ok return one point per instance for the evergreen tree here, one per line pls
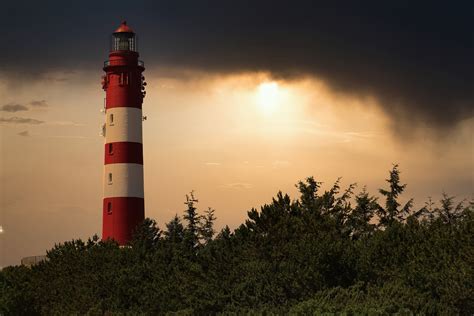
(309, 194)
(360, 219)
(191, 232)
(391, 212)
(449, 213)
(174, 231)
(206, 226)
(146, 236)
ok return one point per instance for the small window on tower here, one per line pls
(109, 208)
(110, 178)
(123, 79)
(111, 149)
(111, 119)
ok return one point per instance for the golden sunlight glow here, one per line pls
(268, 97)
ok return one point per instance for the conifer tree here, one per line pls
(146, 236)
(359, 220)
(174, 230)
(391, 212)
(206, 228)
(449, 213)
(191, 233)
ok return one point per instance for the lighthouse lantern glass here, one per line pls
(124, 41)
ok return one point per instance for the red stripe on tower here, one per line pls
(123, 152)
(120, 219)
(123, 204)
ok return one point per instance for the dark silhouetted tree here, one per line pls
(191, 232)
(206, 226)
(174, 231)
(392, 212)
(146, 236)
(360, 219)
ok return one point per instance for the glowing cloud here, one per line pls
(268, 97)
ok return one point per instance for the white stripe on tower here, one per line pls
(123, 180)
(124, 124)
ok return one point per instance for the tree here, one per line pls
(359, 220)
(191, 233)
(17, 291)
(449, 213)
(309, 193)
(174, 231)
(391, 212)
(146, 236)
(206, 227)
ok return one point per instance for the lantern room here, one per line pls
(124, 39)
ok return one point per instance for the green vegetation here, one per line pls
(326, 253)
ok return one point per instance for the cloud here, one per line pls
(213, 164)
(39, 103)
(237, 185)
(13, 107)
(19, 120)
(65, 123)
(348, 137)
(16, 107)
(280, 164)
(71, 137)
(415, 59)
(24, 133)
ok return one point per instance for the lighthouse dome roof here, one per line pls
(124, 28)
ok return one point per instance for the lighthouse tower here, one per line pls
(123, 204)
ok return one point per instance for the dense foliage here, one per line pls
(326, 252)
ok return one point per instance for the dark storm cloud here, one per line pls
(19, 120)
(13, 107)
(416, 58)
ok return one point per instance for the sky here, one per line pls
(244, 98)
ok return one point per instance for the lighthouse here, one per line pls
(123, 82)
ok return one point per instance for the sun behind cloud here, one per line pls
(268, 94)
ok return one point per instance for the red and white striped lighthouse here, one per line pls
(123, 204)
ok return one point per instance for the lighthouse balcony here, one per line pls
(108, 63)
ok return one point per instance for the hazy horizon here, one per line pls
(215, 135)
